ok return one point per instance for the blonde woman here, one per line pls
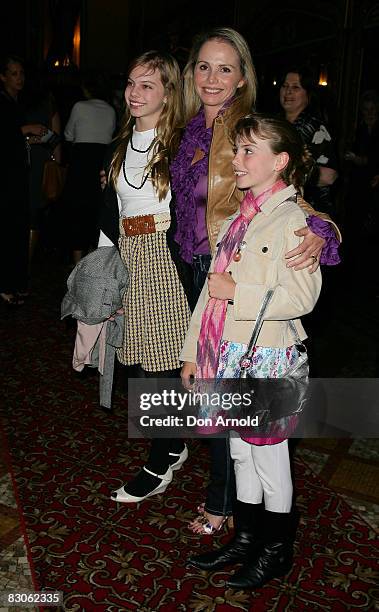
(219, 88)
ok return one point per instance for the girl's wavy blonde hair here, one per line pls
(168, 128)
(245, 96)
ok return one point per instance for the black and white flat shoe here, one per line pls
(182, 457)
(124, 497)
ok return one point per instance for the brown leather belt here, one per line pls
(145, 224)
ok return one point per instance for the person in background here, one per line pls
(367, 135)
(220, 88)
(40, 107)
(89, 129)
(362, 167)
(363, 157)
(135, 217)
(16, 138)
(374, 184)
(270, 165)
(297, 97)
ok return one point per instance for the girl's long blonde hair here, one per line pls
(168, 128)
(245, 96)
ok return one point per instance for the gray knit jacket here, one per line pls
(95, 289)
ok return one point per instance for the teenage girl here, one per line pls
(136, 216)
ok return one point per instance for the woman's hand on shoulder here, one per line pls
(307, 254)
(188, 374)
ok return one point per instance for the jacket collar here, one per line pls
(269, 206)
(278, 198)
(219, 120)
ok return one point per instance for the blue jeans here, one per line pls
(221, 490)
(200, 265)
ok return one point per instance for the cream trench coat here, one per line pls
(262, 266)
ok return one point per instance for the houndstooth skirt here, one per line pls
(157, 314)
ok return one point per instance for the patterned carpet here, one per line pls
(66, 455)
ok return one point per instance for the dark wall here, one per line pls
(21, 28)
(339, 35)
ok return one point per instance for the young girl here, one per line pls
(155, 306)
(270, 163)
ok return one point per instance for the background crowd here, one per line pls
(75, 110)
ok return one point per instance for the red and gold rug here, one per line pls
(109, 557)
(67, 455)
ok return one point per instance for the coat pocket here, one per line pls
(257, 260)
(265, 248)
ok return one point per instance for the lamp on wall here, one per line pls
(62, 62)
(323, 78)
(76, 43)
(63, 34)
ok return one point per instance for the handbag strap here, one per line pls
(258, 325)
(295, 332)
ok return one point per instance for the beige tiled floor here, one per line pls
(15, 572)
(351, 468)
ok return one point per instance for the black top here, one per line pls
(316, 137)
(13, 152)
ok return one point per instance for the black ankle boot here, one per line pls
(247, 521)
(275, 558)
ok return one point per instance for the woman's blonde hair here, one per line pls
(282, 137)
(245, 96)
(168, 128)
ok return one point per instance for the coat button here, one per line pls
(264, 249)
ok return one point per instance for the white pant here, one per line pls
(263, 471)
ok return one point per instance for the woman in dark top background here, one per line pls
(40, 107)
(361, 185)
(297, 101)
(16, 136)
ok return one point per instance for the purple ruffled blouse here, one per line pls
(185, 178)
(329, 254)
(201, 244)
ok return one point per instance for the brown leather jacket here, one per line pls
(223, 196)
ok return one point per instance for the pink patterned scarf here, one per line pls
(213, 319)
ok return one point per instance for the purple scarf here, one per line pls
(184, 178)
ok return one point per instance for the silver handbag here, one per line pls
(276, 397)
